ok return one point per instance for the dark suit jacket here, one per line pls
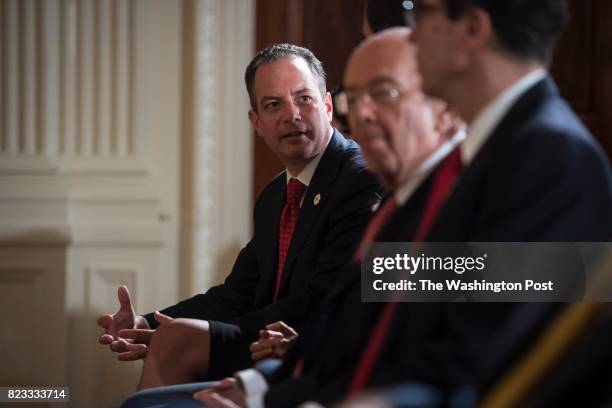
(539, 177)
(325, 236)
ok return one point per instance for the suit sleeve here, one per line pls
(346, 224)
(544, 194)
(225, 301)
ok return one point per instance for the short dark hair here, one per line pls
(527, 29)
(277, 52)
(382, 14)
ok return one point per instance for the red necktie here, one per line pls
(379, 220)
(445, 179)
(289, 215)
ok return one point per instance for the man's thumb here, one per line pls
(161, 318)
(124, 299)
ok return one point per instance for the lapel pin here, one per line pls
(375, 206)
(316, 199)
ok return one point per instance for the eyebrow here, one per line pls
(276, 98)
(270, 98)
(382, 80)
(300, 91)
(376, 81)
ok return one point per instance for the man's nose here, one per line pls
(363, 109)
(292, 112)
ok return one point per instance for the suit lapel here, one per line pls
(458, 213)
(269, 228)
(400, 227)
(321, 186)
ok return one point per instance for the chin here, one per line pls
(297, 155)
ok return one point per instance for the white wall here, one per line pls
(124, 159)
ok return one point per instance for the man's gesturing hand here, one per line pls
(274, 341)
(125, 318)
(133, 343)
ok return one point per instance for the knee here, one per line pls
(178, 335)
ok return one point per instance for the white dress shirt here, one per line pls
(305, 176)
(405, 191)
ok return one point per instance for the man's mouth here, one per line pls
(295, 133)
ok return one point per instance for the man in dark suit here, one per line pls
(307, 223)
(528, 171)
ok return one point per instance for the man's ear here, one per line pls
(254, 118)
(478, 28)
(329, 105)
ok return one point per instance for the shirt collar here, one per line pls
(403, 192)
(490, 116)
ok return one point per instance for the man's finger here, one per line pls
(105, 321)
(202, 395)
(275, 326)
(260, 355)
(256, 346)
(282, 327)
(261, 344)
(105, 339)
(132, 355)
(134, 347)
(121, 345)
(267, 334)
(224, 384)
(213, 400)
(124, 299)
(139, 335)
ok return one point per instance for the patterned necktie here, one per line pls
(289, 215)
(445, 179)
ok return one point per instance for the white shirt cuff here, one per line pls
(255, 401)
(255, 386)
(310, 404)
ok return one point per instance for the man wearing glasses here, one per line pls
(404, 135)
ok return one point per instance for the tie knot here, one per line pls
(295, 190)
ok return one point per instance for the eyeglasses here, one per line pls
(416, 9)
(379, 94)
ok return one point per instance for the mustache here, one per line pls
(296, 131)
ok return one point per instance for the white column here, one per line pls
(3, 99)
(30, 114)
(68, 66)
(51, 79)
(87, 86)
(12, 75)
(205, 128)
(121, 77)
(104, 79)
(224, 33)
